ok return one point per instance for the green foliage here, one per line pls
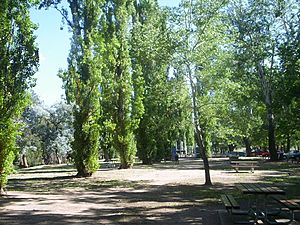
(165, 101)
(46, 133)
(81, 81)
(122, 86)
(19, 60)
(263, 31)
(8, 132)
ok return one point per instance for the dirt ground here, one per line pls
(160, 194)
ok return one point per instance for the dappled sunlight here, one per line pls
(158, 194)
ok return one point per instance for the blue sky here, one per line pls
(54, 45)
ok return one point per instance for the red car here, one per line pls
(265, 154)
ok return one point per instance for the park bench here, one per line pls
(237, 164)
(230, 203)
(234, 210)
(291, 205)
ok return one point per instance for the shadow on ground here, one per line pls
(139, 204)
(40, 197)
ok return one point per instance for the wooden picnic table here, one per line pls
(261, 193)
(259, 189)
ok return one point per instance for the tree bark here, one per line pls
(231, 147)
(248, 146)
(23, 163)
(288, 143)
(199, 133)
(2, 191)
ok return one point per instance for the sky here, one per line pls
(54, 46)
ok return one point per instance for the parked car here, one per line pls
(295, 155)
(256, 152)
(235, 154)
(260, 152)
(265, 154)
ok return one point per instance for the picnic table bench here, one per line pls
(234, 210)
(291, 205)
(237, 164)
(229, 202)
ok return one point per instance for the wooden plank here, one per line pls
(244, 162)
(260, 189)
(250, 189)
(266, 188)
(240, 187)
(233, 202)
(244, 166)
(271, 189)
(226, 201)
(245, 188)
(289, 204)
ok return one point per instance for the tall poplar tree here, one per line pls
(125, 81)
(152, 48)
(81, 80)
(19, 61)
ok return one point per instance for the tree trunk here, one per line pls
(271, 136)
(23, 163)
(199, 133)
(266, 89)
(83, 173)
(184, 144)
(288, 143)
(231, 147)
(57, 157)
(2, 191)
(202, 147)
(248, 146)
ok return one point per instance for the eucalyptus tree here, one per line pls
(81, 80)
(58, 132)
(28, 142)
(199, 28)
(258, 28)
(19, 62)
(46, 133)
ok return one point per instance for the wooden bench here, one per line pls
(230, 203)
(234, 210)
(237, 164)
(291, 205)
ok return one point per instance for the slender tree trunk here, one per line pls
(24, 161)
(2, 191)
(202, 147)
(199, 133)
(288, 143)
(57, 157)
(271, 136)
(231, 147)
(248, 146)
